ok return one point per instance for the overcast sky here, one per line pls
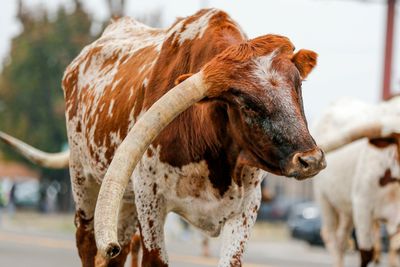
(347, 35)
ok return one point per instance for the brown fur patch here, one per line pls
(85, 240)
(366, 256)
(383, 142)
(394, 139)
(70, 85)
(387, 178)
(135, 247)
(152, 258)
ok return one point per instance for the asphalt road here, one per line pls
(34, 249)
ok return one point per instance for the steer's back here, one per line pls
(104, 89)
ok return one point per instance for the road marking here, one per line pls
(70, 245)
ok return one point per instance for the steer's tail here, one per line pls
(41, 158)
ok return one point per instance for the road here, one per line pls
(32, 248)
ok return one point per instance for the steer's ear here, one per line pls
(182, 78)
(305, 61)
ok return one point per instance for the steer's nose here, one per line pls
(307, 164)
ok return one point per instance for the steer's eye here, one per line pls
(248, 110)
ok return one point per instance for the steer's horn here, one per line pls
(48, 160)
(145, 130)
(375, 129)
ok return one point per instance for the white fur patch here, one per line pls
(110, 108)
(264, 71)
(195, 29)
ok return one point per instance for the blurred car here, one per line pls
(277, 209)
(304, 222)
(27, 194)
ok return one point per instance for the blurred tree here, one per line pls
(32, 102)
(31, 99)
(152, 18)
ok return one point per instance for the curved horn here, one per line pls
(145, 130)
(41, 158)
(375, 129)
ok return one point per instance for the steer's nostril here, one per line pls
(303, 162)
(306, 164)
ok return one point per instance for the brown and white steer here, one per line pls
(201, 109)
(361, 185)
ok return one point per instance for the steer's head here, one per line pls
(261, 82)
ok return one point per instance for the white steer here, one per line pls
(361, 184)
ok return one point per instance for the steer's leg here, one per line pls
(342, 235)
(363, 223)
(151, 215)
(237, 231)
(135, 250)
(85, 191)
(393, 253)
(329, 228)
(394, 247)
(377, 242)
(127, 221)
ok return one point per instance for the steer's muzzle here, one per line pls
(306, 164)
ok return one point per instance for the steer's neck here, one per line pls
(198, 133)
(201, 134)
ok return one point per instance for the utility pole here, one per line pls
(387, 72)
(116, 8)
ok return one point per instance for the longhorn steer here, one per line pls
(361, 184)
(236, 108)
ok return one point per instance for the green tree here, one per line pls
(30, 83)
(31, 98)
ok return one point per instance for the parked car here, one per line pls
(27, 194)
(277, 209)
(304, 222)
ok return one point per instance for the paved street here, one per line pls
(21, 249)
(22, 246)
